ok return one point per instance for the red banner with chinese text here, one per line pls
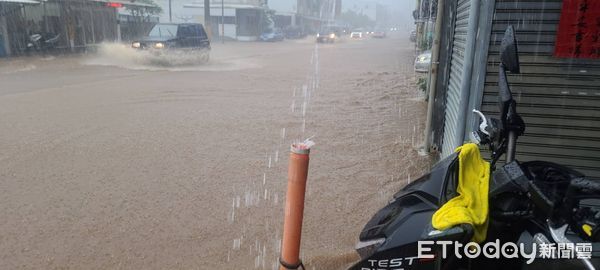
(579, 30)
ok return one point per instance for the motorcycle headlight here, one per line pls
(159, 45)
(367, 248)
(318, 35)
(332, 36)
(136, 45)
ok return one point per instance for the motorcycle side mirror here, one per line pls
(509, 60)
(509, 54)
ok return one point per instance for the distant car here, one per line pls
(165, 37)
(413, 35)
(327, 36)
(293, 32)
(356, 34)
(272, 35)
(423, 62)
(379, 34)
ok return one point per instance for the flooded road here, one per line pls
(106, 163)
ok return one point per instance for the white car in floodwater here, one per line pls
(356, 34)
(423, 61)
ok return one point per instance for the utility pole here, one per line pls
(170, 15)
(207, 17)
(223, 21)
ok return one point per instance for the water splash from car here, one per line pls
(122, 55)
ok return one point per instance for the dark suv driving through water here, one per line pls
(327, 35)
(185, 36)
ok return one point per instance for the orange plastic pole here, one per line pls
(294, 207)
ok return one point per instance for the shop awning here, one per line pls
(33, 2)
(124, 3)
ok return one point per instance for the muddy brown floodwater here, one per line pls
(108, 163)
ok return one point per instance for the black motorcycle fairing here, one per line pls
(388, 219)
(439, 184)
(425, 194)
(549, 171)
(508, 197)
(548, 188)
(509, 178)
(512, 182)
(398, 257)
(410, 211)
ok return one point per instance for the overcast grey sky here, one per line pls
(289, 5)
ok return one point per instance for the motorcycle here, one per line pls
(42, 42)
(531, 204)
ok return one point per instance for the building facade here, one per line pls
(242, 20)
(79, 23)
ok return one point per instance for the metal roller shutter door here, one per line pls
(559, 99)
(455, 81)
